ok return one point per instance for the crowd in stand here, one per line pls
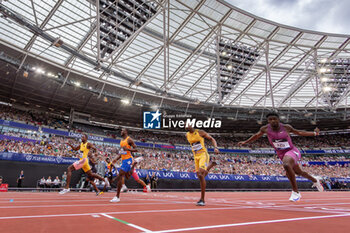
(225, 141)
(181, 160)
(171, 160)
(32, 117)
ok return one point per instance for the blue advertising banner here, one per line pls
(18, 125)
(5, 137)
(36, 158)
(223, 177)
(331, 163)
(72, 134)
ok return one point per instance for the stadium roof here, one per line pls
(183, 64)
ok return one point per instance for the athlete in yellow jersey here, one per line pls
(83, 163)
(127, 146)
(201, 157)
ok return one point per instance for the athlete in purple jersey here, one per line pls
(278, 135)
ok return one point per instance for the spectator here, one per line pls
(48, 183)
(42, 182)
(56, 183)
(20, 179)
(147, 180)
(0, 180)
(64, 179)
(101, 166)
(154, 180)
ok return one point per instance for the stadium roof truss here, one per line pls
(173, 51)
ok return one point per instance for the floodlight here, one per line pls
(327, 88)
(125, 101)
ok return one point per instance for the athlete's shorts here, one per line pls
(83, 163)
(126, 165)
(294, 153)
(201, 160)
(134, 174)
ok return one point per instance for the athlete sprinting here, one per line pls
(83, 163)
(111, 171)
(128, 147)
(279, 138)
(92, 163)
(201, 157)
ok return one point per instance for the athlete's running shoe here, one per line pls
(115, 199)
(99, 193)
(295, 196)
(124, 188)
(147, 189)
(318, 185)
(200, 203)
(64, 191)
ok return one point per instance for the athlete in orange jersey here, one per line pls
(127, 146)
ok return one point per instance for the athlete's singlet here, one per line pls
(281, 141)
(125, 154)
(196, 141)
(84, 151)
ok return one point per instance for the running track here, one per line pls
(174, 212)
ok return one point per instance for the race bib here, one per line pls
(281, 145)
(197, 146)
(81, 154)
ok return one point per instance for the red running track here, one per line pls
(174, 212)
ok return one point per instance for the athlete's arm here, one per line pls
(92, 158)
(204, 134)
(290, 129)
(91, 146)
(73, 147)
(256, 136)
(132, 144)
(116, 159)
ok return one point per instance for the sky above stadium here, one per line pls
(318, 15)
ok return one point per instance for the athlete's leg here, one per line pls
(141, 182)
(302, 173)
(211, 165)
(203, 172)
(92, 176)
(69, 175)
(288, 164)
(130, 172)
(317, 184)
(201, 176)
(120, 179)
(137, 178)
(75, 166)
(93, 184)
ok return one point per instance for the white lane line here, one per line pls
(252, 223)
(97, 199)
(126, 223)
(81, 205)
(126, 212)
